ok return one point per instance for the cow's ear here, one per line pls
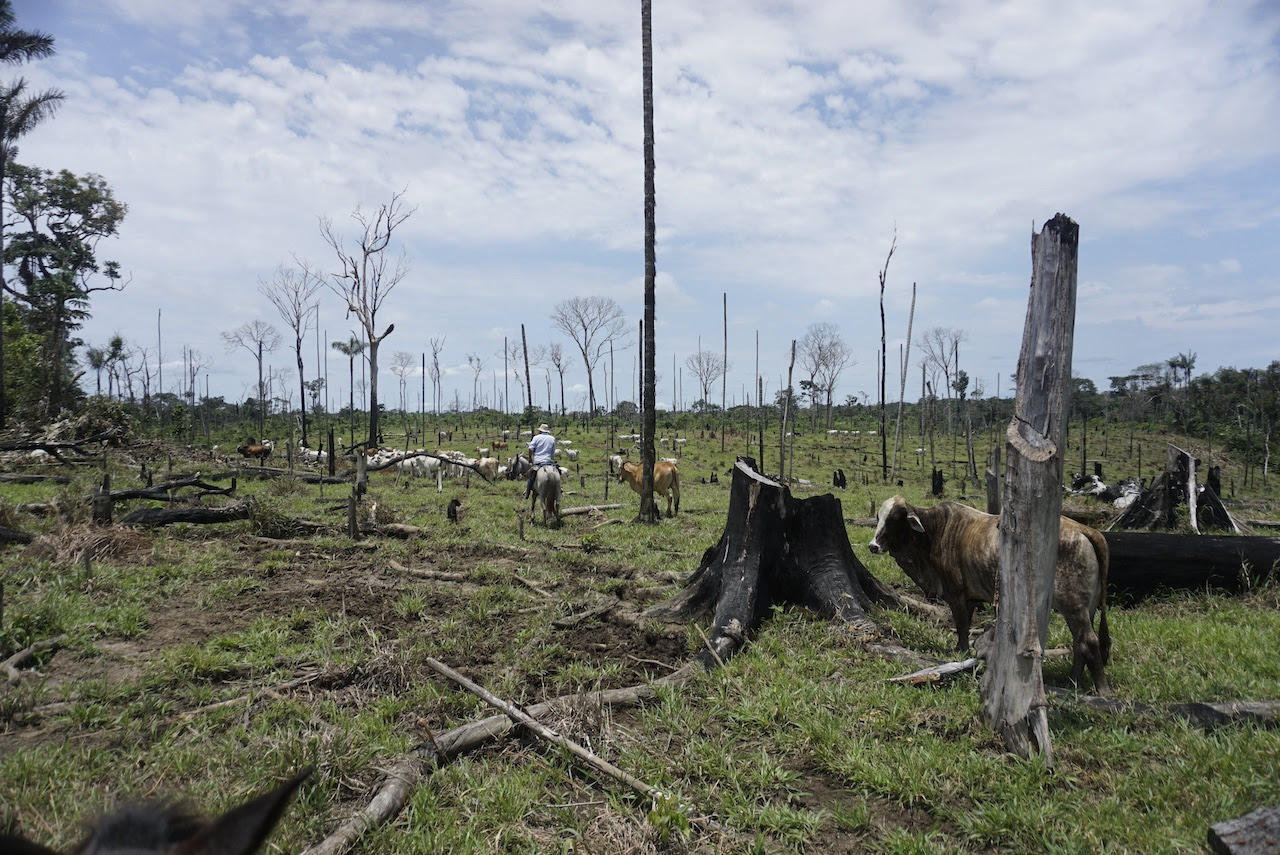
(914, 521)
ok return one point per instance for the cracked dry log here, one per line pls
(775, 550)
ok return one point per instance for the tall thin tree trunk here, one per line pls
(4, 170)
(884, 364)
(724, 369)
(528, 381)
(648, 509)
(902, 388)
(786, 414)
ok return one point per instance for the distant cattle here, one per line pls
(259, 451)
(488, 466)
(666, 481)
(952, 552)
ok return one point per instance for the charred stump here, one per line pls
(1155, 507)
(775, 550)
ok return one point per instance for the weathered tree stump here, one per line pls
(101, 502)
(1012, 686)
(775, 550)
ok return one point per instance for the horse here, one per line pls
(518, 467)
(164, 829)
(546, 488)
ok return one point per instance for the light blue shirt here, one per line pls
(543, 448)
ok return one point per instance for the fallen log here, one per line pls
(594, 762)
(1200, 713)
(569, 512)
(13, 535)
(1143, 563)
(10, 666)
(167, 491)
(198, 516)
(21, 478)
(937, 673)
(403, 776)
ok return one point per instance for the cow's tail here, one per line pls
(675, 486)
(1103, 553)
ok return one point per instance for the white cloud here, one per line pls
(790, 144)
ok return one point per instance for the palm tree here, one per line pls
(97, 359)
(351, 349)
(19, 113)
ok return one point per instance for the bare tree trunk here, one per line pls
(1013, 695)
(786, 413)
(528, 381)
(884, 363)
(648, 507)
(902, 389)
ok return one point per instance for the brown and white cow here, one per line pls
(953, 552)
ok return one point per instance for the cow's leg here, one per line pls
(1086, 650)
(962, 615)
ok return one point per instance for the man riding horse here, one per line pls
(542, 450)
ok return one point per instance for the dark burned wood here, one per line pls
(197, 515)
(1143, 563)
(1156, 507)
(13, 535)
(775, 550)
(21, 478)
(168, 490)
(1256, 833)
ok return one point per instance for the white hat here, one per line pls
(542, 428)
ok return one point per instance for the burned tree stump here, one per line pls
(1155, 508)
(775, 550)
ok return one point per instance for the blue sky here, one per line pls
(793, 141)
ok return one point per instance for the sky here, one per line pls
(795, 143)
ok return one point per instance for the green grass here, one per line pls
(799, 744)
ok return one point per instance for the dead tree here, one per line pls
(1013, 696)
(775, 550)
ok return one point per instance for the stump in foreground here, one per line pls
(775, 550)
